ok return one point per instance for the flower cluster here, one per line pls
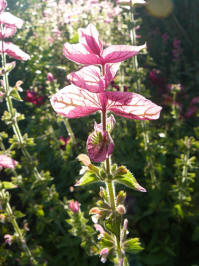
(88, 92)
(9, 24)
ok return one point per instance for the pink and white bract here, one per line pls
(14, 51)
(90, 78)
(89, 50)
(10, 20)
(3, 5)
(7, 32)
(74, 102)
(7, 162)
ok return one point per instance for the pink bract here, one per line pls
(7, 162)
(3, 5)
(74, 102)
(10, 20)
(89, 50)
(99, 145)
(7, 32)
(90, 78)
(14, 51)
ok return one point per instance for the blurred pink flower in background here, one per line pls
(50, 77)
(192, 110)
(64, 141)
(8, 239)
(34, 98)
(165, 37)
(7, 162)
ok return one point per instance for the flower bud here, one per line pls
(121, 209)
(8, 239)
(121, 197)
(50, 77)
(95, 210)
(74, 206)
(84, 159)
(121, 170)
(125, 224)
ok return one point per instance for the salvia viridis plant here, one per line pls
(89, 93)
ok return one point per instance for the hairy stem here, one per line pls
(11, 110)
(69, 130)
(16, 227)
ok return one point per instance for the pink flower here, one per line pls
(104, 253)
(99, 145)
(89, 50)
(195, 100)
(74, 102)
(14, 51)
(8, 239)
(3, 5)
(7, 162)
(90, 78)
(50, 77)
(74, 206)
(10, 20)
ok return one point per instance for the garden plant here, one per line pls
(99, 133)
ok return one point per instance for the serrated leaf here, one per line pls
(129, 180)
(133, 245)
(8, 185)
(88, 178)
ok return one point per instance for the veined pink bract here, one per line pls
(74, 102)
(90, 77)
(89, 50)
(14, 51)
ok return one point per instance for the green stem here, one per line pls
(116, 221)
(16, 228)
(13, 116)
(138, 89)
(69, 130)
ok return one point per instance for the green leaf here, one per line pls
(8, 185)
(179, 210)
(15, 95)
(88, 178)
(129, 180)
(133, 245)
(19, 214)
